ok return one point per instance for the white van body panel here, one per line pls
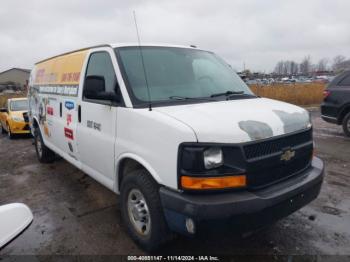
(95, 148)
(239, 121)
(146, 135)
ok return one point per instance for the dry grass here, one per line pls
(4, 97)
(299, 94)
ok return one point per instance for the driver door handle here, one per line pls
(79, 113)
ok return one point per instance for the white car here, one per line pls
(176, 133)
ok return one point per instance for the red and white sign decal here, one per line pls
(68, 133)
(69, 119)
(49, 110)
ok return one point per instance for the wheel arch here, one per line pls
(344, 111)
(128, 162)
(34, 124)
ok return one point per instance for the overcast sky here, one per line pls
(257, 32)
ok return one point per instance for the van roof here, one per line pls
(115, 45)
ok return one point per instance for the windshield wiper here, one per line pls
(189, 98)
(228, 93)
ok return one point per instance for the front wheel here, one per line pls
(346, 124)
(9, 133)
(44, 154)
(3, 131)
(142, 211)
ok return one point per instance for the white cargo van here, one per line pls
(176, 133)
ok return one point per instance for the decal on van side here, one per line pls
(47, 130)
(94, 125)
(70, 146)
(60, 75)
(69, 105)
(68, 133)
(49, 110)
(69, 119)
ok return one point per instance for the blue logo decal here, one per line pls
(69, 105)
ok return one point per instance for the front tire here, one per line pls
(346, 124)
(44, 154)
(142, 212)
(3, 131)
(9, 133)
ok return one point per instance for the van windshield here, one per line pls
(175, 74)
(19, 105)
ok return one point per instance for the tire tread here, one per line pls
(345, 127)
(48, 156)
(160, 233)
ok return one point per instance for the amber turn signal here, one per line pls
(199, 183)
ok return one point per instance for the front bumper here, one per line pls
(19, 127)
(329, 113)
(267, 205)
(330, 119)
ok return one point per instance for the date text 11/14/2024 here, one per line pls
(173, 258)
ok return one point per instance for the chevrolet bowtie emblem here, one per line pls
(287, 155)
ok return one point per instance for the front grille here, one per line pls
(264, 165)
(25, 117)
(269, 147)
(266, 176)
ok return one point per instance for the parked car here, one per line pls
(15, 218)
(14, 117)
(336, 104)
(177, 134)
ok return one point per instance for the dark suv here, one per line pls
(336, 105)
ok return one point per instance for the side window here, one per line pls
(345, 81)
(100, 65)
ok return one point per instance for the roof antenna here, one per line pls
(143, 64)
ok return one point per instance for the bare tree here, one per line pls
(279, 68)
(337, 62)
(305, 65)
(293, 68)
(287, 67)
(322, 64)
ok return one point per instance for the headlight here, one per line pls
(213, 157)
(17, 119)
(202, 166)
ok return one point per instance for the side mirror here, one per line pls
(93, 85)
(14, 218)
(95, 88)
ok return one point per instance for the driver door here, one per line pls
(96, 127)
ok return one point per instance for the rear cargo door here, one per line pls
(96, 127)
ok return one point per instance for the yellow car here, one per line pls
(14, 117)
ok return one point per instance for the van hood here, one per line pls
(238, 121)
(18, 113)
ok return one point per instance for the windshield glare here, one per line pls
(177, 72)
(19, 105)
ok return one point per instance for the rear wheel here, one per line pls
(44, 154)
(142, 211)
(346, 124)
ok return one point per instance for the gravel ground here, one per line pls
(73, 214)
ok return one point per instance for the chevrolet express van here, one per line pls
(176, 133)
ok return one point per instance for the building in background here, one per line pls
(15, 79)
